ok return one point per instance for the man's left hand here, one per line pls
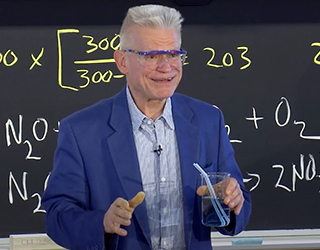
(234, 197)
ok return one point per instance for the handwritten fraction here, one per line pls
(93, 45)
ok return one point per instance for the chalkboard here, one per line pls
(258, 61)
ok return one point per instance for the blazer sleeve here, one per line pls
(69, 221)
(228, 163)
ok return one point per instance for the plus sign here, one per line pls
(255, 119)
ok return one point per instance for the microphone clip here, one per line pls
(158, 150)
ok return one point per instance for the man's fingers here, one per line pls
(234, 198)
(202, 190)
(120, 221)
(123, 217)
(120, 214)
(120, 231)
(137, 200)
(232, 185)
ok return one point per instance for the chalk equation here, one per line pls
(9, 58)
(307, 173)
(283, 104)
(302, 169)
(92, 46)
(299, 172)
(14, 134)
(227, 59)
(18, 135)
(23, 191)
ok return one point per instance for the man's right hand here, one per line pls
(120, 214)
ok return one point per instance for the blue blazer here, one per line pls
(96, 162)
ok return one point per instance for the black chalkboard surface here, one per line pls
(258, 61)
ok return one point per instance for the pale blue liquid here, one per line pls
(209, 215)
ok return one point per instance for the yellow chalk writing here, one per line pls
(244, 57)
(93, 45)
(97, 61)
(36, 60)
(315, 59)
(4, 58)
(212, 57)
(227, 59)
(103, 44)
(97, 77)
(59, 32)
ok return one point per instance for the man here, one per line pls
(123, 176)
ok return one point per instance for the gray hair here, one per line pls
(151, 15)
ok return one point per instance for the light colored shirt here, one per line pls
(161, 176)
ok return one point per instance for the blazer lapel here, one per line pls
(124, 155)
(188, 137)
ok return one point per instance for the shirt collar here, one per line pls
(137, 116)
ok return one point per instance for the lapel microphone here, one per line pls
(158, 150)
